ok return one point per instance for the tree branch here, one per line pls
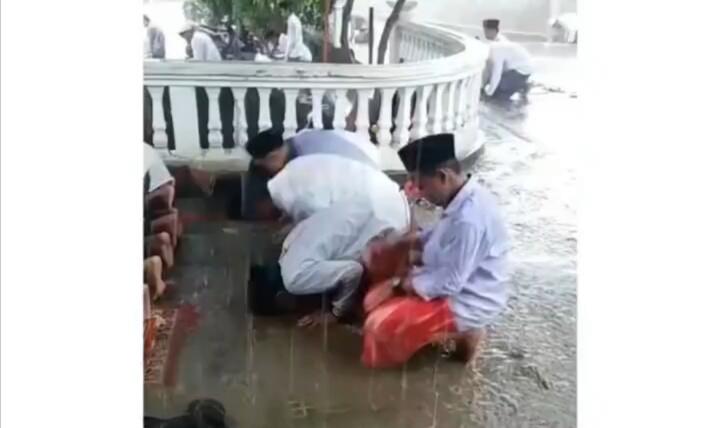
(389, 24)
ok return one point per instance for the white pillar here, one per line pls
(215, 137)
(401, 135)
(317, 108)
(420, 123)
(159, 139)
(385, 120)
(264, 109)
(240, 125)
(289, 121)
(339, 114)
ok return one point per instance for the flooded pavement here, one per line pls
(268, 373)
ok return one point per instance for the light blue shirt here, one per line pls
(339, 142)
(465, 258)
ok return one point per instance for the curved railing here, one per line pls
(205, 112)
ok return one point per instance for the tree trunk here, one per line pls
(389, 24)
(347, 10)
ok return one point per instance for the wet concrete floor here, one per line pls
(268, 373)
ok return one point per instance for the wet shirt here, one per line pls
(342, 143)
(465, 258)
(338, 142)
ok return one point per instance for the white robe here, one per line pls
(340, 204)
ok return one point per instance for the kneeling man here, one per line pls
(338, 205)
(458, 285)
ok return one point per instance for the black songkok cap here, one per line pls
(493, 24)
(264, 143)
(427, 153)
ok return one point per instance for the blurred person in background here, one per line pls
(155, 45)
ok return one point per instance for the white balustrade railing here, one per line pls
(206, 112)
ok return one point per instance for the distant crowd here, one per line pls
(225, 42)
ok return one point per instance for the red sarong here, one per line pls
(400, 326)
(396, 326)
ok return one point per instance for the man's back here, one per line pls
(512, 56)
(203, 47)
(339, 142)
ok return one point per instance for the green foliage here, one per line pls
(256, 15)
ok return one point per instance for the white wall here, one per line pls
(524, 16)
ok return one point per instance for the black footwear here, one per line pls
(203, 413)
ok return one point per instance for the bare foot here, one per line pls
(153, 276)
(316, 318)
(162, 198)
(204, 180)
(463, 347)
(161, 245)
(168, 223)
(468, 345)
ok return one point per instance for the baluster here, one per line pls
(467, 111)
(471, 100)
(402, 121)
(240, 124)
(289, 121)
(214, 124)
(317, 113)
(460, 104)
(160, 139)
(450, 112)
(420, 123)
(476, 95)
(436, 109)
(410, 48)
(385, 119)
(264, 109)
(363, 118)
(339, 114)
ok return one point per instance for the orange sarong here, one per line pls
(397, 326)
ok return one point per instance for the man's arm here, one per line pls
(496, 72)
(430, 282)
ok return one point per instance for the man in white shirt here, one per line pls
(509, 65)
(154, 39)
(338, 204)
(202, 47)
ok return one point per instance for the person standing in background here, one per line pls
(155, 45)
(202, 46)
(296, 50)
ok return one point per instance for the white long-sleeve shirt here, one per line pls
(506, 55)
(203, 48)
(341, 204)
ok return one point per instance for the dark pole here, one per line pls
(370, 36)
